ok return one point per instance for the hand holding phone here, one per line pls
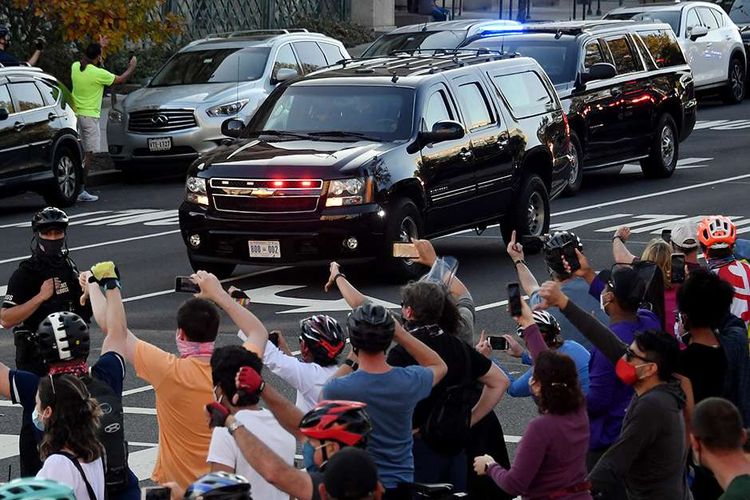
(156, 493)
(405, 251)
(498, 343)
(514, 300)
(678, 268)
(184, 284)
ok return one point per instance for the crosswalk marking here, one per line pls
(722, 124)
(683, 164)
(145, 216)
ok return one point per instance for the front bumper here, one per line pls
(314, 238)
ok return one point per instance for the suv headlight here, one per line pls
(195, 191)
(115, 116)
(228, 109)
(345, 192)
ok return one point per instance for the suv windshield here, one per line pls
(558, 57)
(671, 17)
(212, 66)
(381, 113)
(425, 40)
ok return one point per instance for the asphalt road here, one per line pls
(136, 226)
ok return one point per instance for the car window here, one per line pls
(708, 19)
(525, 93)
(310, 56)
(285, 59)
(5, 101)
(474, 105)
(692, 20)
(720, 17)
(26, 96)
(622, 54)
(663, 47)
(332, 52)
(435, 110)
(49, 92)
(424, 40)
(650, 64)
(593, 55)
(671, 17)
(212, 66)
(740, 12)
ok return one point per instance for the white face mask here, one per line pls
(601, 303)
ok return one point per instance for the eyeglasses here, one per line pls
(630, 354)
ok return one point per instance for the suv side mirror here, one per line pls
(283, 75)
(4, 114)
(232, 128)
(696, 32)
(446, 130)
(598, 71)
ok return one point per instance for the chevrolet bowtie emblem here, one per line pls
(262, 193)
(257, 192)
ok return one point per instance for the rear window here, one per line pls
(212, 66)
(663, 47)
(424, 40)
(671, 17)
(525, 93)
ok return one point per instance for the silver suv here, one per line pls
(177, 116)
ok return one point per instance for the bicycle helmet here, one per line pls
(30, 488)
(371, 328)
(555, 246)
(63, 336)
(323, 336)
(5, 31)
(547, 324)
(49, 218)
(717, 231)
(219, 485)
(345, 422)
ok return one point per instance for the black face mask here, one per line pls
(52, 248)
(53, 252)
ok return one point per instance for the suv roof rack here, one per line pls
(234, 34)
(21, 68)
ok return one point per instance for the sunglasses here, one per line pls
(630, 354)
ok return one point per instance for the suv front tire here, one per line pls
(67, 171)
(665, 149)
(404, 224)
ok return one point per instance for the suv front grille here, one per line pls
(161, 120)
(266, 196)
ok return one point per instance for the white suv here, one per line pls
(177, 116)
(710, 40)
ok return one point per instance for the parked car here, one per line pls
(739, 13)
(177, 116)
(430, 36)
(626, 89)
(345, 162)
(709, 39)
(39, 146)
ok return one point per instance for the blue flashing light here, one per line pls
(500, 27)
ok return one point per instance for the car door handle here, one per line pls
(503, 143)
(52, 116)
(18, 126)
(615, 92)
(465, 154)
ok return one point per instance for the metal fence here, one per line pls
(212, 16)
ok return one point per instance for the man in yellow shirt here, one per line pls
(89, 81)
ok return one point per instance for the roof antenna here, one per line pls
(394, 77)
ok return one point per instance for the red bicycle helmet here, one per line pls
(717, 231)
(323, 336)
(343, 421)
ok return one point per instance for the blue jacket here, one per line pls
(734, 340)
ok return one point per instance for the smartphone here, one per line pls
(666, 235)
(569, 252)
(183, 284)
(156, 493)
(273, 337)
(678, 268)
(514, 299)
(498, 343)
(405, 250)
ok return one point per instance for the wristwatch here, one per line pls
(519, 261)
(351, 364)
(339, 275)
(236, 424)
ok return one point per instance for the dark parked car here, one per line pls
(39, 146)
(346, 161)
(626, 88)
(739, 13)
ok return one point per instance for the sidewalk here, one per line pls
(561, 12)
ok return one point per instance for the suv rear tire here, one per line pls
(734, 93)
(530, 214)
(220, 270)
(404, 224)
(66, 170)
(665, 149)
(576, 169)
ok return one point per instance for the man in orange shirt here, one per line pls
(183, 384)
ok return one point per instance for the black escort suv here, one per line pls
(626, 88)
(346, 161)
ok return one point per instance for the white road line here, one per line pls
(142, 462)
(8, 446)
(137, 390)
(143, 445)
(75, 216)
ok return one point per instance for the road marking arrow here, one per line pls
(270, 295)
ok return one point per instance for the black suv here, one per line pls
(625, 87)
(345, 161)
(39, 146)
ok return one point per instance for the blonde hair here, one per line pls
(659, 252)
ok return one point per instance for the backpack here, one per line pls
(111, 435)
(447, 427)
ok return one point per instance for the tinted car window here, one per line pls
(26, 96)
(663, 47)
(332, 52)
(285, 59)
(212, 66)
(382, 112)
(425, 40)
(708, 19)
(622, 55)
(49, 92)
(436, 110)
(474, 105)
(739, 12)
(525, 93)
(310, 56)
(647, 59)
(593, 55)
(671, 17)
(5, 101)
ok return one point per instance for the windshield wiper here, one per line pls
(280, 133)
(340, 133)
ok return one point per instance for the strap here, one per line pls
(89, 489)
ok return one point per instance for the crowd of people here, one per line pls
(639, 374)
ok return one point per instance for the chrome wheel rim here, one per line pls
(574, 166)
(667, 146)
(535, 214)
(65, 172)
(738, 82)
(408, 232)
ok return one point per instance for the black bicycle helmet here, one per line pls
(345, 422)
(323, 336)
(371, 328)
(63, 336)
(49, 218)
(219, 485)
(555, 246)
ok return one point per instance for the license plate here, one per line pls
(160, 144)
(265, 249)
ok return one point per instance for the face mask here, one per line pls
(53, 248)
(308, 460)
(626, 372)
(37, 420)
(602, 305)
(188, 349)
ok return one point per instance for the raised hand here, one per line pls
(483, 346)
(427, 254)
(622, 232)
(334, 270)
(247, 381)
(514, 249)
(209, 284)
(514, 348)
(552, 296)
